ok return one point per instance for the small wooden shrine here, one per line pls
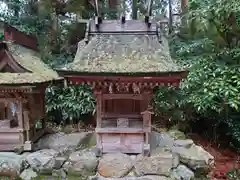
(23, 80)
(123, 60)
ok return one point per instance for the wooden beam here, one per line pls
(120, 130)
(10, 130)
(8, 89)
(123, 96)
(3, 63)
(112, 115)
(124, 78)
(6, 100)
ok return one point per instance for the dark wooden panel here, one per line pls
(122, 106)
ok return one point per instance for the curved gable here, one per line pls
(9, 64)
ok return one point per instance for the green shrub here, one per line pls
(71, 102)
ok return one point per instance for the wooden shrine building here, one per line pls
(23, 80)
(123, 60)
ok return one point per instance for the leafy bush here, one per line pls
(208, 46)
(169, 104)
(1, 36)
(234, 174)
(71, 102)
(166, 101)
(233, 130)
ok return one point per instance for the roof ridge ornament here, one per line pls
(122, 12)
(98, 19)
(148, 15)
(123, 18)
(86, 37)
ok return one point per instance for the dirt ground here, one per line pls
(225, 159)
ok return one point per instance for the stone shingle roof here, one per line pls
(123, 51)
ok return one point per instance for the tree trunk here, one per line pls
(184, 4)
(170, 16)
(134, 9)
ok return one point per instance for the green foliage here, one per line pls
(208, 46)
(234, 174)
(1, 36)
(213, 86)
(167, 100)
(233, 127)
(169, 104)
(23, 15)
(73, 101)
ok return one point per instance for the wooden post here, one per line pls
(26, 124)
(5, 110)
(147, 99)
(147, 129)
(99, 108)
(99, 117)
(147, 120)
(20, 114)
(43, 108)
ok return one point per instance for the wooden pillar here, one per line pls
(98, 95)
(146, 115)
(5, 109)
(147, 129)
(26, 120)
(99, 108)
(20, 114)
(147, 95)
(26, 124)
(43, 108)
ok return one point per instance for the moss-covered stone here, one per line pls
(87, 142)
(9, 178)
(176, 134)
(69, 177)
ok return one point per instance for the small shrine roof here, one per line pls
(131, 47)
(32, 69)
